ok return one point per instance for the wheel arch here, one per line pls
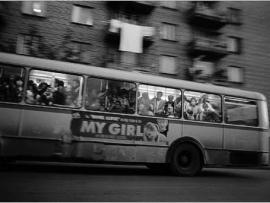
(183, 140)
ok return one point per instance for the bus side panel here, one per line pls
(237, 138)
(9, 121)
(210, 136)
(41, 133)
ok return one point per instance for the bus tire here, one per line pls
(186, 160)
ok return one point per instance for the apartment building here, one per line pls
(224, 43)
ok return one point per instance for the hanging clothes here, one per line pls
(131, 39)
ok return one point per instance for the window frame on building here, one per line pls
(163, 69)
(28, 8)
(77, 19)
(237, 44)
(23, 48)
(241, 70)
(81, 49)
(234, 15)
(169, 4)
(168, 31)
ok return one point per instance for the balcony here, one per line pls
(136, 7)
(208, 47)
(113, 33)
(206, 17)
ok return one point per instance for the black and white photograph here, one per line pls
(134, 101)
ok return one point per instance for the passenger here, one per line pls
(75, 93)
(144, 110)
(206, 111)
(158, 104)
(116, 107)
(145, 102)
(59, 96)
(169, 107)
(178, 106)
(124, 100)
(19, 88)
(94, 100)
(31, 93)
(191, 109)
(41, 97)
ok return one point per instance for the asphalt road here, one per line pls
(69, 182)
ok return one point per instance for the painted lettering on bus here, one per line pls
(93, 127)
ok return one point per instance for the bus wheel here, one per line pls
(186, 160)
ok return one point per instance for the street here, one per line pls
(83, 182)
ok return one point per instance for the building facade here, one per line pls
(224, 43)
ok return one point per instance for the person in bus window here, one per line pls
(158, 104)
(144, 104)
(116, 107)
(169, 107)
(178, 106)
(75, 91)
(206, 111)
(59, 96)
(31, 92)
(41, 97)
(190, 109)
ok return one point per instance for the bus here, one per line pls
(54, 110)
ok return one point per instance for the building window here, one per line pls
(28, 44)
(234, 16)
(235, 74)
(167, 64)
(168, 4)
(202, 69)
(129, 58)
(82, 15)
(168, 31)
(37, 8)
(234, 45)
(80, 51)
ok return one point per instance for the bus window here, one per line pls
(11, 83)
(202, 107)
(50, 88)
(159, 101)
(110, 95)
(240, 111)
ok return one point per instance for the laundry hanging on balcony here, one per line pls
(131, 38)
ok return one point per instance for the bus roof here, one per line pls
(68, 67)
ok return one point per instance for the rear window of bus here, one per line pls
(241, 111)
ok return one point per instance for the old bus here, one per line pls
(74, 112)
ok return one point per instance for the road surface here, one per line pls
(70, 182)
